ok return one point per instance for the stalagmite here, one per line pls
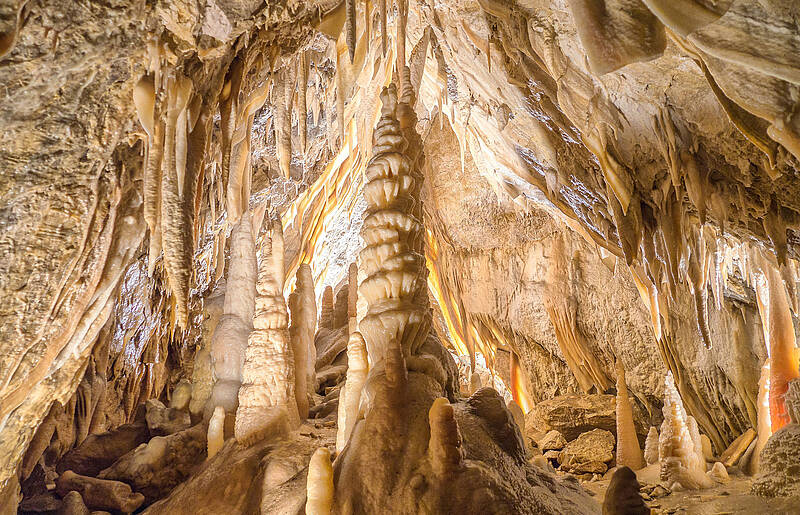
(651, 446)
(680, 460)
(781, 340)
(326, 309)
(267, 402)
(303, 308)
(622, 496)
(764, 429)
(628, 452)
(350, 395)
(392, 259)
(233, 330)
(444, 448)
(319, 489)
(216, 431)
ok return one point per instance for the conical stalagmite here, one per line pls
(319, 489)
(629, 453)
(350, 394)
(267, 402)
(326, 309)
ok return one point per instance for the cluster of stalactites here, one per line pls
(267, 402)
(393, 259)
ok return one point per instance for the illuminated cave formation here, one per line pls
(356, 256)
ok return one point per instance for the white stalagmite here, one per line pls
(233, 330)
(303, 307)
(629, 453)
(216, 436)
(267, 403)
(350, 395)
(651, 446)
(680, 461)
(319, 486)
(393, 258)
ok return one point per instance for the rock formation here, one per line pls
(651, 446)
(233, 329)
(558, 187)
(267, 401)
(622, 496)
(629, 454)
(679, 448)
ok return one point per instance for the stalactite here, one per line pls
(402, 22)
(350, 394)
(267, 401)
(319, 489)
(283, 120)
(350, 27)
(152, 194)
(175, 222)
(233, 330)
(384, 28)
(302, 115)
(303, 307)
(628, 452)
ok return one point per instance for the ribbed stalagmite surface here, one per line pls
(267, 402)
(393, 259)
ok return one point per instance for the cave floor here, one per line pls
(733, 498)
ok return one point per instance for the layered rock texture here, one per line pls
(496, 215)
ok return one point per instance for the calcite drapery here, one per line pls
(267, 402)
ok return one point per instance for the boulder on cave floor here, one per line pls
(163, 421)
(155, 468)
(589, 453)
(572, 415)
(97, 493)
(552, 441)
(780, 464)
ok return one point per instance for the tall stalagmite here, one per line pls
(267, 403)
(233, 330)
(629, 453)
(303, 307)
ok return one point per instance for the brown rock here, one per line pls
(572, 415)
(622, 496)
(735, 450)
(589, 453)
(780, 464)
(553, 440)
(162, 421)
(100, 493)
(163, 463)
(101, 451)
(72, 504)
